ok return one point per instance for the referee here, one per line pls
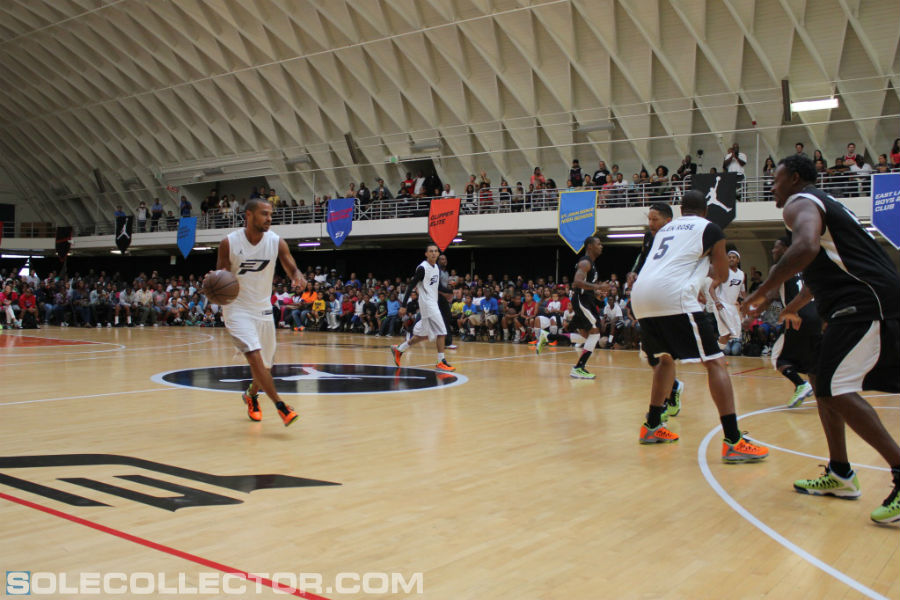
(444, 301)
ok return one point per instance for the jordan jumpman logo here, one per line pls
(712, 197)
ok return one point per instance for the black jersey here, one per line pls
(646, 244)
(852, 278)
(808, 314)
(581, 294)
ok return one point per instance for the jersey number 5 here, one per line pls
(663, 247)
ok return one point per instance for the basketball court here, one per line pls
(504, 480)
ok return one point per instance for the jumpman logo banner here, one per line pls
(720, 190)
(123, 232)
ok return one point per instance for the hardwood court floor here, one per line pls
(519, 483)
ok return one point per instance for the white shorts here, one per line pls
(729, 321)
(253, 332)
(430, 326)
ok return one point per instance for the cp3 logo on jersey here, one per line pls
(433, 280)
(252, 266)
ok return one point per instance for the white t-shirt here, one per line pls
(254, 267)
(735, 165)
(676, 267)
(613, 313)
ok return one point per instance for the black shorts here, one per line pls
(860, 355)
(587, 315)
(798, 348)
(689, 337)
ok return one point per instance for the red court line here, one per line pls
(748, 371)
(30, 341)
(168, 550)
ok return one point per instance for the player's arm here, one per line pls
(289, 265)
(418, 276)
(718, 269)
(790, 314)
(580, 281)
(804, 220)
(223, 262)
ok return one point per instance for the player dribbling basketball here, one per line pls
(250, 254)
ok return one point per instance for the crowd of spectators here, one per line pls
(847, 176)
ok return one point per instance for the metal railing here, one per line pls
(492, 201)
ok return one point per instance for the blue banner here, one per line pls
(340, 219)
(187, 234)
(577, 217)
(885, 209)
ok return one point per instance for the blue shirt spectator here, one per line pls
(393, 307)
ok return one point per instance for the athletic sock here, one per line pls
(730, 428)
(403, 347)
(440, 356)
(791, 374)
(654, 417)
(841, 469)
(582, 360)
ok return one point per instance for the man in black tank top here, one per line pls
(857, 292)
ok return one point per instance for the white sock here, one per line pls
(553, 329)
(440, 356)
(403, 347)
(117, 320)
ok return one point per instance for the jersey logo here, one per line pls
(433, 280)
(253, 265)
(734, 282)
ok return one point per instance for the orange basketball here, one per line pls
(221, 287)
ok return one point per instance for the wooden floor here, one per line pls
(518, 483)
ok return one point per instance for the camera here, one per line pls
(699, 152)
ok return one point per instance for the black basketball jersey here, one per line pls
(808, 314)
(646, 244)
(852, 277)
(583, 295)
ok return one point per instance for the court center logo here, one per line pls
(314, 379)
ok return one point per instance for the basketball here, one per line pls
(221, 287)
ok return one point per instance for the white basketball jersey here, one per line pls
(674, 271)
(730, 289)
(428, 290)
(254, 267)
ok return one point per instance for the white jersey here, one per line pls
(428, 289)
(731, 288)
(675, 270)
(254, 267)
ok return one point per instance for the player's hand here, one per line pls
(299, 282)
(603, 288)
(754, 304)
(719, 305)
(791, 320)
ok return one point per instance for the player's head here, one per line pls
(259, 215)
(592, 247)
(431, 253)
(780, 247)
(693, 203)
(792, 175)
(659, 214)
(734, 259)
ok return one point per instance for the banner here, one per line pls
(720, 190)
(1, 231)
(885, 209)
(124, 227)
(443, 221)
(577, 217)
(187, 234)
(340, 219)
(63, 242)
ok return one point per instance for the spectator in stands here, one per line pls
(599, 176)
(185, 207)
(118, 212)
(142, 214)
(363, 195)
(172, 220)
(688, 167)
(850, 156)
(895, 154)
(504, 194)
(156, 213)
(606, 192)
(576, 177)
(381, 192)
(735, 161)
(768, 173)
(840, 178)
(485, 197)
(537, 177)
(101, 307)
(862, 175)
(882, 166)
(817, 155)
(419, 185)
(448, 192)
(798, 148)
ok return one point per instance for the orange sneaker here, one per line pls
(445, 366)
(287, 413)
(657, 435)
(253, 410)
(743, 451)
(396, 354)
(553, 343)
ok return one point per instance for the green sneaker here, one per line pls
(674, 407)
(801, 393)
(889, 511)
(580, 373)
(830, 484)
(542, 342)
